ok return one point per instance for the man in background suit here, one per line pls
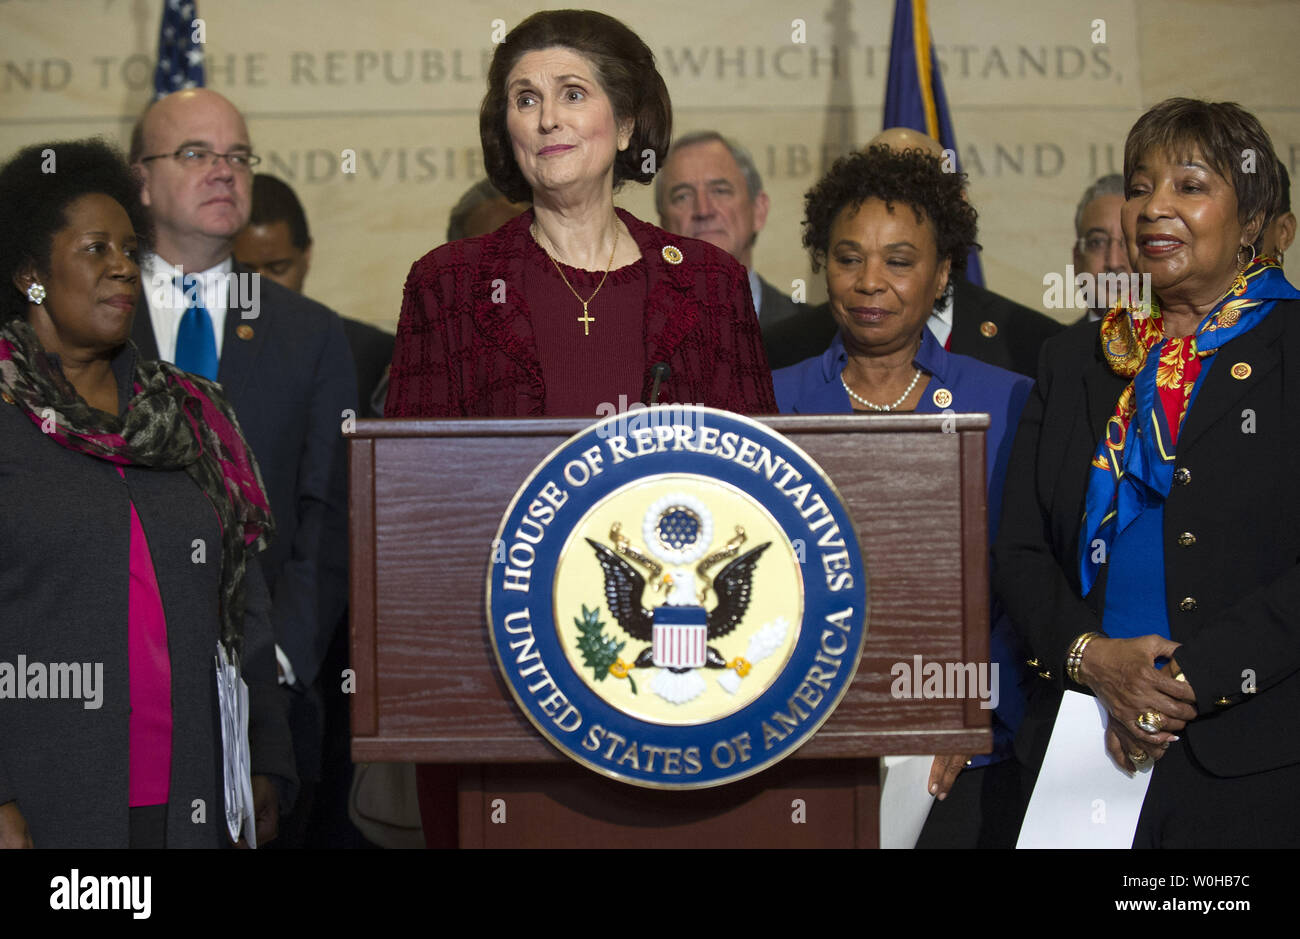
(1099, 246)
(277, 243)
(709, 188)
(282, 360)
(972, 320)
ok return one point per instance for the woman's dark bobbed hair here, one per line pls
(625, 68)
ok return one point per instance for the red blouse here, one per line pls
(469, 344)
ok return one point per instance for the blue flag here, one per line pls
(914, 92)
(180, 49)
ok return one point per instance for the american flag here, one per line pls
(180, 58)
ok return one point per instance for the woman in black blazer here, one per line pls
(1151, 526)
(131, 511)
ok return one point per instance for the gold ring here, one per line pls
(1139, 756)
(1151, 721)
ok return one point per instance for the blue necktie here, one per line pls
(196, 343)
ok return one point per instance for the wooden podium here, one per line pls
(426, 499)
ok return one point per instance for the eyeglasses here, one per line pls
(1098, 244)
(198, 157)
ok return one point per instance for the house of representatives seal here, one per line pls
(677, 598)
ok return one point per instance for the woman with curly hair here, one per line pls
(131, 513)
(890, 227)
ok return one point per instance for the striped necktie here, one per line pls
(196, 342)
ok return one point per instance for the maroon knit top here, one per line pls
(582, 372)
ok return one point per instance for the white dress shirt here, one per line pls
(167, 301)
(940, 321)
(166, 307)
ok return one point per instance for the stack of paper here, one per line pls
(232, 699)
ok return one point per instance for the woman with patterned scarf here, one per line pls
(131, 511)
(1151, 527)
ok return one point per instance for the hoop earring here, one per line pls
(36, 293)
(1252, 257)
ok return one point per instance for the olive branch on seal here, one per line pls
(600, 652)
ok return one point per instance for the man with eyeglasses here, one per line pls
(1099, 247)
(282, 359)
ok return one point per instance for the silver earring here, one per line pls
(1249, 262)
(36, 293)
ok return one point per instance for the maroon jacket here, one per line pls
(459, 354)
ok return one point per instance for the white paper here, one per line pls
(232, 701)
(905, 799)
(1082, 799)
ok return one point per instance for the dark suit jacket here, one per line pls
(775, 309)
(64, 591)
(1240, 501)
(460, 354)
(289, 383)
(1018, 334)
(372, 351)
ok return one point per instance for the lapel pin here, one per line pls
(988, 329)
(942, 397)
(672, 255)
(1241, 371)
(244, 331)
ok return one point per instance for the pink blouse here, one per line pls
(150, 677)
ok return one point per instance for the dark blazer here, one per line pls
(289, 383)
(775, 307)
(372, 351)
(64, 589)
(1016, 332)
(1233, 594)
(460, 354)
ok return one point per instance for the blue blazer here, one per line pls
(290, 381)
(814, 387)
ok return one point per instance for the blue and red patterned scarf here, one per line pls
(1129, 474)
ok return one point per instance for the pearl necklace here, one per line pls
(881, 407)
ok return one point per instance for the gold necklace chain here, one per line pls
(585, 319)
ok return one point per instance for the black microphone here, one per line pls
(661, 373)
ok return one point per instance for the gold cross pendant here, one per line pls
(586, 321)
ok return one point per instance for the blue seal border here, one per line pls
(819, 601)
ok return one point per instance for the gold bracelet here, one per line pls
(1075, 657)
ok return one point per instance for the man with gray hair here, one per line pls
(709, 188)
(1099, 246)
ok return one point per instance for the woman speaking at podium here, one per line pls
(575, 302)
